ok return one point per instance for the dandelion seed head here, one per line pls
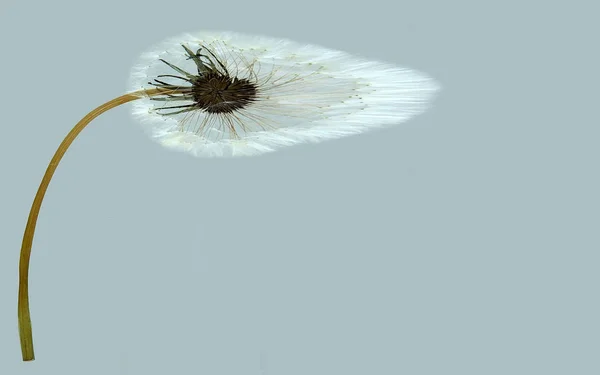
(243, 95)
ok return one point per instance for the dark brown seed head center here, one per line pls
(219, 93)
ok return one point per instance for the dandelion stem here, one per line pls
(25, 331)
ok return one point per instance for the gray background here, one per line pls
(462, 242)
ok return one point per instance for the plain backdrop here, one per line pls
(462, 242)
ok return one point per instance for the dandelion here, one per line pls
(246, 95)
(225, 94)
